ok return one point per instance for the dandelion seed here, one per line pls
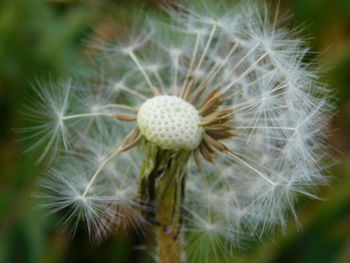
(211, 127)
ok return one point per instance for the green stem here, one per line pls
(161, 191)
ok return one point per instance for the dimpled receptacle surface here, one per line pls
(170, 122)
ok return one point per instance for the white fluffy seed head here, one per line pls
(170, 122)
(280, 112)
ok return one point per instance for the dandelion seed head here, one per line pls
(226, 83)
(170, 123)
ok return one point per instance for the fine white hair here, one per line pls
(280, 113)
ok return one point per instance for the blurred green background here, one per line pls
(41, 38)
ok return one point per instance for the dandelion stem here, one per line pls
(161, 190)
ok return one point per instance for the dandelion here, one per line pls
(205, 127)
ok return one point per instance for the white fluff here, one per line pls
(280, 113)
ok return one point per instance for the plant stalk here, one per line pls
(161, 192)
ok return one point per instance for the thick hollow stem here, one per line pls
(168, 234)
(161, 192)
